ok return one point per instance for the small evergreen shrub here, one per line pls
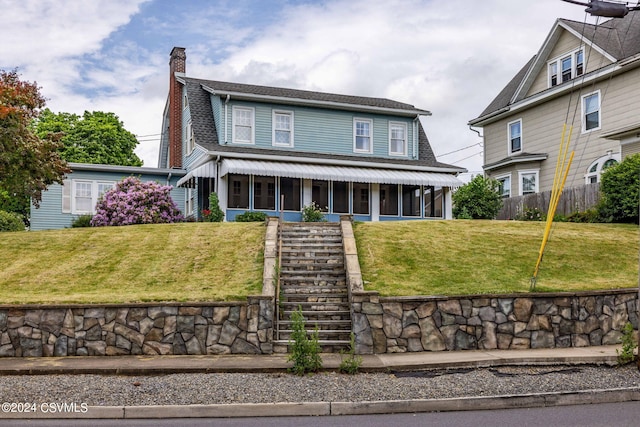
(135, 202)
(10, 221)
(305, 351)
(82, 221)
(312, 213)
(625, 355)
(251, 217)
(214, 213)
(477, 199)
(588, 216)
(352, 362)
(530, 214)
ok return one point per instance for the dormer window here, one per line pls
(243, 125)
(566, 67)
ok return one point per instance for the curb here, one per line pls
(303, 409)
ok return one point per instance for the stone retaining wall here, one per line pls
(73, 330)
(389, 325)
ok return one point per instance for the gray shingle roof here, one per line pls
(619, 37)
(206, 135)
(271, 91)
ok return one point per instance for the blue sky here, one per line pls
(450, 57)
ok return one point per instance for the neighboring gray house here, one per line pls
(587, 76)
(366, 157)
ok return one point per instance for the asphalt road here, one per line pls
(608, 414)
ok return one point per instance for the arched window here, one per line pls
(599, 165)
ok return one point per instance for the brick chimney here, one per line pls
(177, 64)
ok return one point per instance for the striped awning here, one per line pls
(338, 173)
(207, 170)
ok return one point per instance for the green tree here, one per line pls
(28, 163)
(95, 137)
(478, 199)
(619, 188)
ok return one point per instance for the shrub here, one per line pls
(135, 202)
(10, 221)
(351, 363)
(625, 355)
(588, 216)
(478, 199)
(82, 221)
(214, 213)
(305, 351)
(251, 217)
(531, 214)
(312, 213)
(619, 188)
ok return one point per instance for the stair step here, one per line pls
(305, 273)
(290, 292)
(330, 250)
(318, 312)
(320, 322)
(321, 342)
(318, 305)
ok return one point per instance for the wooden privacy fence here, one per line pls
(573, 199)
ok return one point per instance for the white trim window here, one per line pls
(595, 169)
(397, 139)
(243, 125)
(528, 182)
(362, 135)
(282, 128)
(566, 67)
(504, 185)
(514, 130)
(190, 139)
(80, 196)
(591, 112)
(190, 202)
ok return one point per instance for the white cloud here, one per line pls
(450, 57)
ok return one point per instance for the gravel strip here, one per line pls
(185, 389)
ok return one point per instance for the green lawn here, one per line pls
(168, 262)
(468, 257)
(223, 261)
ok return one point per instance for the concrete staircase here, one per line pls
(312, 277)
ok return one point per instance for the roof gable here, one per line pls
(615, 39)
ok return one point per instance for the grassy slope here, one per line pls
(171, 262)
(206, 262)
(466, 257)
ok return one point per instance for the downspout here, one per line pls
(226, 139)
(415, 137)
(169, 178)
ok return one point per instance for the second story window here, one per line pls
(243, 125)
(362, 135)
(591, 112)
(397, 139)
(515, 136)
(283, 128)
(566, 68)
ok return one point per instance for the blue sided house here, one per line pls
(82, 188)
(276, 150)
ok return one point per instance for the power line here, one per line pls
(460, 149)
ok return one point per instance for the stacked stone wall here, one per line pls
(111, 330)
(390, 325)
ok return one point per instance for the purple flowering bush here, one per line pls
(135, 202)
